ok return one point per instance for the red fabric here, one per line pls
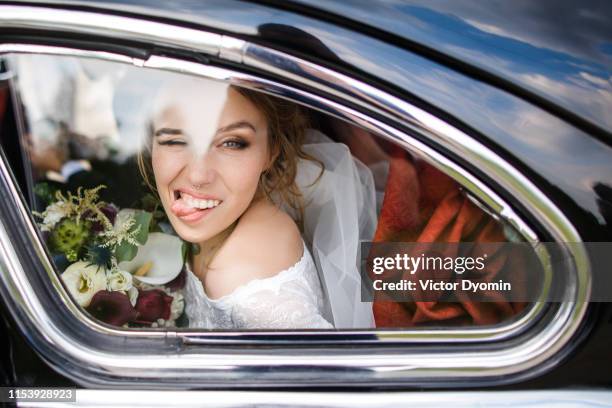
(3, 102)
(421, 204)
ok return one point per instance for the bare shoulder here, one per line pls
(265, 242)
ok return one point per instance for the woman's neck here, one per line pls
(201, 261)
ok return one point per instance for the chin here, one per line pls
(195, 235)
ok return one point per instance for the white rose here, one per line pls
(177, 306)
(119, 280)
(84, 280)
(133, 295)
(53, 214)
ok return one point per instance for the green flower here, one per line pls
(72, 255)
(68, 237)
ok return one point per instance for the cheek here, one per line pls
(241, 175)
(157, 163)
(165, 167)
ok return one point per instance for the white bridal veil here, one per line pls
(340, 211)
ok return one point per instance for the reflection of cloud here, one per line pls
(594, 92)
(577, 76)
(486, 59)
(601, 82)
(488, 28)
(208, 13)
(575, 28)
(588, 94)
(513, 39)
(566, 26)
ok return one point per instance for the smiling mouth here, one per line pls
(189, 207)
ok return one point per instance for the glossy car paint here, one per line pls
(569, 159)
(531, 137)
(560, 51)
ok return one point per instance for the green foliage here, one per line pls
(143, 220)
(125, 252)
(152, 204)
(45, 192)
(184, 250)
(188, 250)
(138, 232)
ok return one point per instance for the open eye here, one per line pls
(237, 144)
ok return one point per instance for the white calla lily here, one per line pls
(84, 280)
(158, 261)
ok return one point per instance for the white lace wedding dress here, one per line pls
(291, 299)
(323, 289)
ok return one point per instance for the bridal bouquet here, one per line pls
(117, 264)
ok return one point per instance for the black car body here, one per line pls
(531, 85)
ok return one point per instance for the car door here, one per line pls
(436, 127)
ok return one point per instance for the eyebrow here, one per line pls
(228, 128)
(168, 131)
(237, 125)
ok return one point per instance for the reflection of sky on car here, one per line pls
(518, 125)
(522, 40)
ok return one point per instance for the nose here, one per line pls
(200, 170)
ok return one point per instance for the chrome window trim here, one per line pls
(358, 367)
(236, 399)
(472, 334)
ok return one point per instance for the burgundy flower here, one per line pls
(152, 305)
(109, 210)
(112, 307)
(178, 282)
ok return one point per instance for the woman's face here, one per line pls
(209, 148)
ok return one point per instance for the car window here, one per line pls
(172, 201)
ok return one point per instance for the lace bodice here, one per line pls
(291, 299)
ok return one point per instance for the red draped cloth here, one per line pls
(421, 204)
(3, 102)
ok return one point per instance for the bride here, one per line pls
(240, 175)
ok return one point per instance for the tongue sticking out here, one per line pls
(181, 209)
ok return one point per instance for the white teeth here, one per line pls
(197, 203)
